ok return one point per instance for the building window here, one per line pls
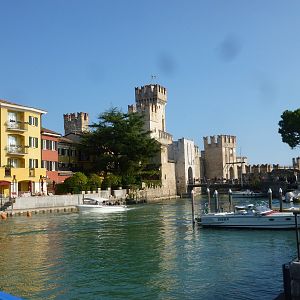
(49, 165)
(13, 162)
(33, 121)
(44, 145)
(33, 163)
(33, 142)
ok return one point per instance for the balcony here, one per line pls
(16, 126)
(17, 150)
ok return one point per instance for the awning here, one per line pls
(4, 183)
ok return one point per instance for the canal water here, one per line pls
(149, 252)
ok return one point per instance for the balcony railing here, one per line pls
(17, 149)
(16, 126)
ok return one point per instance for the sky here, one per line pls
(230, 66)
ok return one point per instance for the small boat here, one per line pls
(100, 205)
(247, 194)
(292, 196)
(249, 216)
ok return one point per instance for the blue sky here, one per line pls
(230, 67)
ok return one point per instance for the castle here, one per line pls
(181, 162)
(76, 122)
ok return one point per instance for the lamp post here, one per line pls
(41, 180)
(14, 191)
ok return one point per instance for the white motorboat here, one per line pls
(247, 194)
(292, 196)
(250, 216)
(100, 205)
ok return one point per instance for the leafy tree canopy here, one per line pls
(76, 183)
(119, 145)
(289, 127)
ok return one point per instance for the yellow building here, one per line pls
(20, 150)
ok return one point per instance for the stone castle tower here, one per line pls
(220, 160)
(76, 122)
(151, 101)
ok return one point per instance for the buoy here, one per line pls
(3, 216)
(28, 214)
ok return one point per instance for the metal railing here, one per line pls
(17, 149)
(17, 125)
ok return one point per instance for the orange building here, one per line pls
(50, 156)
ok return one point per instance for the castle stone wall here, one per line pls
(76, 122)
(220, 157)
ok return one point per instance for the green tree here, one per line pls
(289, 127)
(119, 145)
(76, 183)
(112, 181)
(94, 182)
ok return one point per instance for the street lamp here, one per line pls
(14, 187)
(41, 184)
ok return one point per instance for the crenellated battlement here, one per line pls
(151, 93)
(219, 141)
(76, 116)
(76, 122)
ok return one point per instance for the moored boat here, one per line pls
(100, 205)
(247, 194)
(292, 196)
(260, 217)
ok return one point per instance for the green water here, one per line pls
(149, 252)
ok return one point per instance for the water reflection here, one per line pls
(151, 251)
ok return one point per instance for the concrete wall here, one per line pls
(47, 201)
(60, 200)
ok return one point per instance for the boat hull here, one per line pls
(271, 221)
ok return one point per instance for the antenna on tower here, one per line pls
(153, 77)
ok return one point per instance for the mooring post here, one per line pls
(280, 199)
(216, 201)
(297, 234)
(230, 199)
(270, 198)
(208, 194)
(193, 207)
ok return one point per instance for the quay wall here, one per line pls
(55, 201)
(37, 202)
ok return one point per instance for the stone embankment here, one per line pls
(28, 206)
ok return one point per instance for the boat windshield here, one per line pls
(262, 209)
(252, 209)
